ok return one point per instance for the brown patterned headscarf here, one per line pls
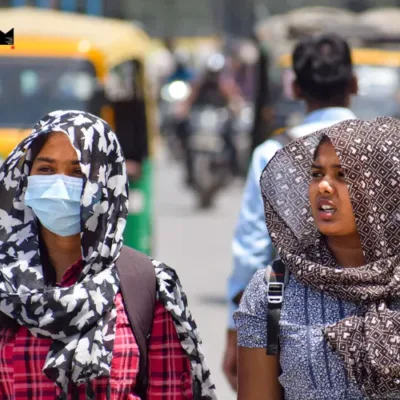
(368, 343)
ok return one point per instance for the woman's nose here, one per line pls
(326, 187)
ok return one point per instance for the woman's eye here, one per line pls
(78, 172)
(45, 170)
(316, 174)
(341, 174)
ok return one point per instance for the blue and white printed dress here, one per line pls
(310, 369)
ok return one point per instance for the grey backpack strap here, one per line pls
(138, 287)
(276, 277)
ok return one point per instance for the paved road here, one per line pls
(197, 245)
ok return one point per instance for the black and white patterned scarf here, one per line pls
(80, 318)
(172, 296)
(368, 343)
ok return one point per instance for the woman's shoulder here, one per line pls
(251, 317)
(163, 270)
(170, 294)
(254, 301)
(167, 279)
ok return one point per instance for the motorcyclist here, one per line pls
(182, 71)
(213, 88)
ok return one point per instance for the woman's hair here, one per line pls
(37, 145)
(323, 67)
(324, 139)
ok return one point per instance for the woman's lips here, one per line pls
(326, 209)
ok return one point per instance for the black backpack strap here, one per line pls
(138, 287)
(276, 277)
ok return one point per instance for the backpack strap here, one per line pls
(138, 287)
(276, 277)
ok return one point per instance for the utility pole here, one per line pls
(238, 17)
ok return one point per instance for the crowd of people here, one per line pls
(314, 291)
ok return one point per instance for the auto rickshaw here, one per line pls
(73, 61)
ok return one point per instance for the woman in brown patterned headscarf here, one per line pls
(343, 256)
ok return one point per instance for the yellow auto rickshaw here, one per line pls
(71, 61)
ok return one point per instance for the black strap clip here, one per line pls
(275, 292)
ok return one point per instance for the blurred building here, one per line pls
(277, 7)
(95, 7)
(171, 18)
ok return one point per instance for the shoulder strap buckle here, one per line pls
(275, 292)
(276, 277)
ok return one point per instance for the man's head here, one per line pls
(324, 72)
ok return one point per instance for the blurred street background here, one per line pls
(198, 245)
(191, 88)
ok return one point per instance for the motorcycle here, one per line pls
(209, 154)
(172, 95)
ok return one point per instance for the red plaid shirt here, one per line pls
(22, 357)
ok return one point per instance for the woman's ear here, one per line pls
(297, 92)
(353, 85)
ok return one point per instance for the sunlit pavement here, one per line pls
(197, 244)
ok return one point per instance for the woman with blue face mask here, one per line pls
(54, 193)
(64, 326)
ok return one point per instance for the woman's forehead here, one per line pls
(326, 154)
(58, 145)
(58, 135)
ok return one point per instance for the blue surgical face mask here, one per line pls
(56, 201)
